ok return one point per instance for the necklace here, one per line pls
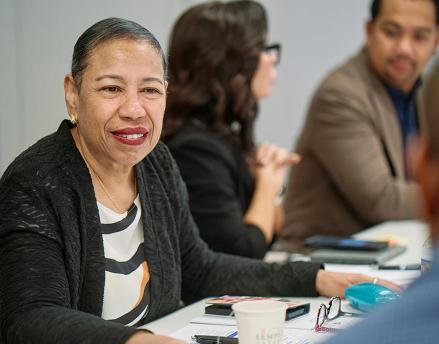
(101, 183)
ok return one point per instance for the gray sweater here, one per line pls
(52, 270)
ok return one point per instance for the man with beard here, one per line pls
(414, 317)
(353, 172)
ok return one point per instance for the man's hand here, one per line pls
(334, 283)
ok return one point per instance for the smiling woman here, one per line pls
(115, 97)
(96, 235)
(118, 103)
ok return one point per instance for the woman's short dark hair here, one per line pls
(214, 51)
(104, 31)
(375, 7)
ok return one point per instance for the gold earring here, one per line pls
(73, 119)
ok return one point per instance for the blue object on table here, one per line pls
(365, 296)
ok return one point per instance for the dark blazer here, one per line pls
(220, 190)
(52, 270)
(352, 173)
(412, 319)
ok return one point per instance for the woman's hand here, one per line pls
(143, 337)
(330, 283)
(272, 163)
(269, 168)
(270, 153)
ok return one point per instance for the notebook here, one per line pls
(223, 305)
(337, 256)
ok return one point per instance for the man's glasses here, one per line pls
(274, 50)
(331, 312)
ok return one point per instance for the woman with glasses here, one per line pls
(220, 67)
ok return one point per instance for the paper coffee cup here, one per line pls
(260, 322)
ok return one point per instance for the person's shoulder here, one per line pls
(41, 160)
(349, 77)
(198, 139)
(191, 134)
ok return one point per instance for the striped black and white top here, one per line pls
(126, 292)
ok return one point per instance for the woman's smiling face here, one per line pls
(121, 100)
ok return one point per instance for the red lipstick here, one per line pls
(131, 136)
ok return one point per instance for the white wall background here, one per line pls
(37, 38)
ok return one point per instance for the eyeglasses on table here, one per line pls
(331, 311)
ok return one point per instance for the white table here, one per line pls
(181, 318)
(410, 233)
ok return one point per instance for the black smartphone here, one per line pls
(344, 243)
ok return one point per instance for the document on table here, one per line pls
(304, 322)
(291, 336)
(401, 277)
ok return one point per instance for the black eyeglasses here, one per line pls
(331, 312)
(275, 50)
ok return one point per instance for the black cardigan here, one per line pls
(52, 270)
(220, 190)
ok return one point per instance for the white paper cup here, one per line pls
(260, 322)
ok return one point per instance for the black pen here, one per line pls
(201, 339)
(400, 267)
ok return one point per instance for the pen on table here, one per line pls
(201, 339)
(400, 267)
